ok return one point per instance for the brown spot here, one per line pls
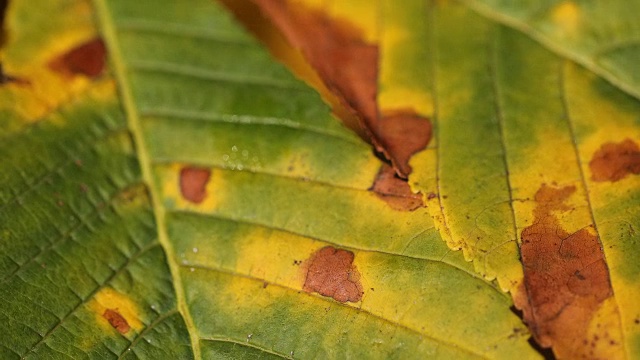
(401, 134)
(330, 272)
(613, 162)
(193, 183)
(116, 320)
(565, 277)
(348, 67)
(395, 191)
(86, 59)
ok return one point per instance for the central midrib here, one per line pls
(108, 30)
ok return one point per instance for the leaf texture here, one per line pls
(194, 199)
(111, 258)
(261, 194)
(515, 123)
(600, 35)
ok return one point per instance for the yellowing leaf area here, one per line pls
(319, 179)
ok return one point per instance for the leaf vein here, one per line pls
(204, 74)
(351, 308)
(111, 277)
(585, 184)
(147, 329)
(242, 120)
(334, 243)
(65, 236)
(249, 345)
(182, 30)
(55, 169)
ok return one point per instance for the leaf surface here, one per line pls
(194, 199)
(511, 119)
(182, 215)
(504, 110)
(602, 35)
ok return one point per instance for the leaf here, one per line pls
(511, 120)
(206, 204)
(175, 218)
(603, 37)
(483, 216)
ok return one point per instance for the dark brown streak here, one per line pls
(4, 4)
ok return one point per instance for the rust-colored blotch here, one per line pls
(193, 182)
(565, 277)
(403, 133)
(330, 272)
(86, 59)
(116, 320)
(614, 161)
(395, 191)
(348, 66)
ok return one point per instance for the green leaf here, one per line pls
(601, 36)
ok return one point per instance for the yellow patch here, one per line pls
(397, 97)
(567, 16)
(278, 258)
(364, 14)
(274, 256)
(605, 332)
(557, 169)
(297, 165)
(425, 181)
(397, 37)
(236, 290)
(168, 178)
(46, 90)
(312, 4)
(110, 299)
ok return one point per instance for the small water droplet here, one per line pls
(148, 340)
(153, 307)
(240, 167)
(225, 157)
(195, 250)
(245, 153)
(192, 269)
(234, 148)
(185, 262)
